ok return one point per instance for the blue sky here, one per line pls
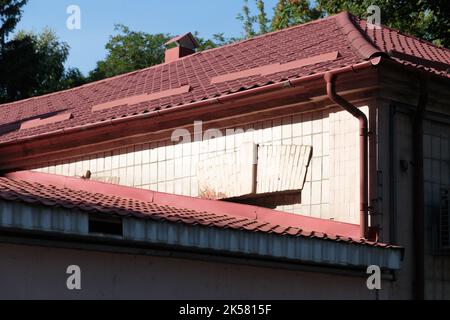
(99, 16)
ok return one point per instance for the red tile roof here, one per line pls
(342, 33)
(414, 52)
(101, 198)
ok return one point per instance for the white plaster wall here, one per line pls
(40, 273)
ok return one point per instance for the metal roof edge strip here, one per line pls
(41, 122)
(331, 56)
(276, 67)
(141, 98)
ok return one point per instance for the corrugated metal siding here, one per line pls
(259, 244)
(39, 218)
(296, 249)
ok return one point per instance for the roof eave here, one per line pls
(265, 93)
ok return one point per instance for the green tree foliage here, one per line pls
(32, 64)
(262, 17)
(52, 55)
(292, 12)
(18, 65)
(217, 40)
(10, 14)
(437, 27)
(130, 50)
(72, 78)
(426, 19)
(247, 20)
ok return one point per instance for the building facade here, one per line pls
(238, 172)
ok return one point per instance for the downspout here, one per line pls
(330, 78)
(419, 219)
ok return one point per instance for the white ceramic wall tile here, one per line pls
(169, 167)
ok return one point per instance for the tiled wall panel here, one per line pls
(330, 190)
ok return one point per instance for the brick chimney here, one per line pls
(185, 46)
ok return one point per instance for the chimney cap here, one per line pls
(186, 41)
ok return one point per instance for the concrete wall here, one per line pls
(332, 181)
(403, 191)
(40, 273)
(395, 205)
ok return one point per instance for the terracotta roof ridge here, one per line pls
(357, 37)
